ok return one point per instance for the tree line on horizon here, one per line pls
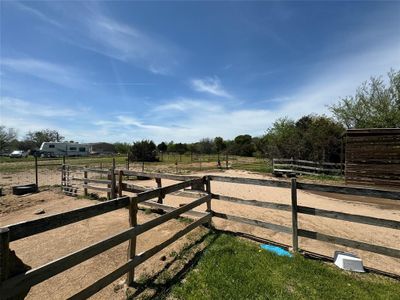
(376, 104)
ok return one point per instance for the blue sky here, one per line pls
(124, 71)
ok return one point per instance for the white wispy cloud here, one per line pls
(37, 13)
(101, 33)
(211, 85)
(187, 105)
(16, 106)
(55, 73)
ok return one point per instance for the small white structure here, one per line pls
(57, 149)
(348, 261)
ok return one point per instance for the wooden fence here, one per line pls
(22, 282)
(298, 166)
(373, 156)
(14, 286)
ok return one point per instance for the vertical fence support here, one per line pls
(208, 191)
(4, 253)
(113, 183)
(85, 176)
(36, 173)
(120, 177)
(295, 238)
(159, 185)
(133, 209)
(63, 172)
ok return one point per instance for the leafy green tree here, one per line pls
(41, 136)
(181, 149)
(144, 151)
(122, 148)
(162, 147)
(375, 105)
(220, 145)
(206, 146)
(243, 145)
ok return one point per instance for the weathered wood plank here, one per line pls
(349, 190)
(104, 181)
(132, 263)
(349, 243)
(37, 275)
(274, 227)
(159, 175)
(263, 182)
(28, 228)
(167, 208)
(97, 188)
(349, 217)
(257, 203)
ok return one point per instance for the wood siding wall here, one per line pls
(373, 157)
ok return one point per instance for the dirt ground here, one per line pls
(45, 247)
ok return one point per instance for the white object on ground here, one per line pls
(348, 261)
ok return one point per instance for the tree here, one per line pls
(162, 147)
(122, 148)
(181, 149)
(220, 145)
(7, 136)
(206, 146)
(243, 145)
(41, 136)
(375, 105)
(312, 137)
(144, 151)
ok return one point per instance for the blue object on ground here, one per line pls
(277, 250)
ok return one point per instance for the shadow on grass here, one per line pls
(158, 285)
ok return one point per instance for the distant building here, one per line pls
(58, 149)
(101, 149)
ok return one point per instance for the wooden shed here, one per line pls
(372, 156)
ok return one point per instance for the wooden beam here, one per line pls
(132, 263)
(28, 228)
(349, 243)
(263, 182)
(39, 274)
(349, 190)
(270, 226)
(256, 203)
(349, 217)
(295, 239)
(133, 210)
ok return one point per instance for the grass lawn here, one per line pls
(232, 268)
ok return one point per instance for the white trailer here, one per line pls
(58, 149)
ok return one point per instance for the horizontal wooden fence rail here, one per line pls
(136, 261)
(28, 228)
(349, 243)
(156, 175)
(18, 283)
(349, 217)
(307, 167)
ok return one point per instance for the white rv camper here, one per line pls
(57, 149)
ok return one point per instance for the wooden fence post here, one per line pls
(120, 177)
(63, 172)
(85, 176)
(36, 173)
(208, 191)
(4, 253)
(295, 239)
(159, 185)
(133, 209)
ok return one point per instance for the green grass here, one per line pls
(231, 268)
